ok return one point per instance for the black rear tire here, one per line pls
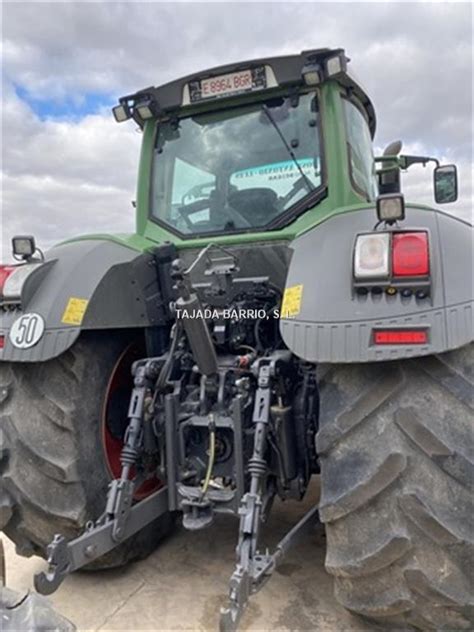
(54, 475)
(396, 446)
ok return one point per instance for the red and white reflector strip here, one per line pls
(12, 279)
(410, 255)
(5, 272)
(400, 336)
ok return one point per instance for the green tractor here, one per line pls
(280, 313)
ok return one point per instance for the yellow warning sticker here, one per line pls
(75, 310)
(291, 301)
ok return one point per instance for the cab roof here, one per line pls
(310, 67)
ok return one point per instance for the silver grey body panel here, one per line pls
(119, 284)
(336, 325)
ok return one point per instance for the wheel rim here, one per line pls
(114, 416)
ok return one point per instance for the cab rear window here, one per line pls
(237, 169)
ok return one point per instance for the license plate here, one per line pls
(227, 85)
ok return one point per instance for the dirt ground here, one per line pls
(184, 583)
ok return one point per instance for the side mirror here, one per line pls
(445, 184)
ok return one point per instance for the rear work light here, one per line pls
(400, 337)
(410, 254)
(390, 208)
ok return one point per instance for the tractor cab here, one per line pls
(267, 148)
(252, 147)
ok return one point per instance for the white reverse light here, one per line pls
(371, 257)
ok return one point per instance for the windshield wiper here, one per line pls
(310, 186)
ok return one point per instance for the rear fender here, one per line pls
(331, 323)
(83, 285)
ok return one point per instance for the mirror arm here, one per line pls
(389, 163)
(406, 161)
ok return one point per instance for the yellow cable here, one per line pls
(210, 464)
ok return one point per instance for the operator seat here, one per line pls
(258, 205)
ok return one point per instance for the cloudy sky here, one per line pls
(68, 168)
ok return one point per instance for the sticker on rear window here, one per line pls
(279, 176)
(75, 310)
(291, 305)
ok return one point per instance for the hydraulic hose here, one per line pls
(212, 456)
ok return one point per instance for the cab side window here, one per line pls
(361, 155)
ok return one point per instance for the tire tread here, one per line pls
(396, 483)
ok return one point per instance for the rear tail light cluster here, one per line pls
(410, 255)
(391, 255)
(12, 279)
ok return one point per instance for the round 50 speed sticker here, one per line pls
(26, 331)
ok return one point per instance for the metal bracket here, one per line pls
(120, 520)
(251, 505)
(249, 579)
(119, 503)
(66, 557)
(253, 568)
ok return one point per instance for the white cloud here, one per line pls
(62, 179)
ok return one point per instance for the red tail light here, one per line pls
(2, 342)
(401, 337)
(410, 254)
(5, 272)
